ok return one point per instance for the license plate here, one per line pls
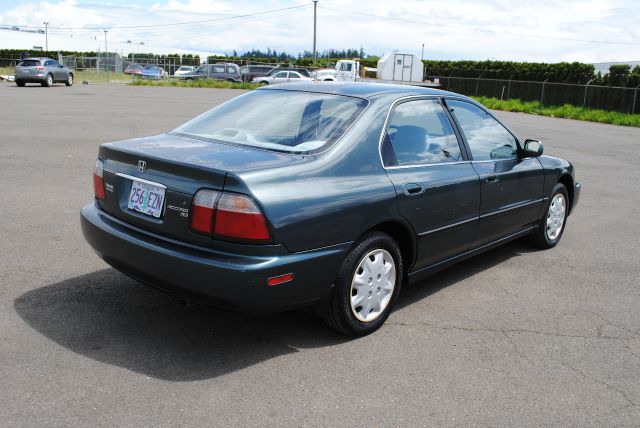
(146, 198)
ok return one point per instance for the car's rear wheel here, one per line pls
(69, 80)
(48, 81)
(551, 225)
(20, 83)
(263, 83)
(366, 287)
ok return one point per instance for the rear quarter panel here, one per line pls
(333, 197)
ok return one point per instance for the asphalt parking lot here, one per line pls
(513, 337)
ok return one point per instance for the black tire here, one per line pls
(263, 83)
(337, 310)
(20, 83)
(69, 80)
(48, 81)
(540, 235)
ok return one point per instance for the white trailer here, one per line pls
(400, 67)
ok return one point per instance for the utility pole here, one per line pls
(422, 57)
(46, 35)
(315, 6)
(106, 51)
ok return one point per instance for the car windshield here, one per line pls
(281, 120)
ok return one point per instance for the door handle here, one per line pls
(411, 189)
(492, 178)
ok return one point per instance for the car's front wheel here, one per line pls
(263, 83)
(69, 80)
(551, 226)
(366, 287)
(20, 83)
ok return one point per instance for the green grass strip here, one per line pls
(201, 83)
(566, 111)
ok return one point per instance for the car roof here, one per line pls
(36, 58)
(359, 89)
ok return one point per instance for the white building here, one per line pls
(400, 67)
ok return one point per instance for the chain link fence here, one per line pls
(610, 98)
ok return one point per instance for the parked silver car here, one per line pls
(281, 77)
(45, 71)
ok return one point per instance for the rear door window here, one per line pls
(420, 133)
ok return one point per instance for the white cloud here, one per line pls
(455, 29)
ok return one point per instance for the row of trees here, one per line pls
(15, 54)
(165, 59)
(562, 72)
(619, 75)
(285, 56)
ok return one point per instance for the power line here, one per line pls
(203, 21)
(507, 33)
(145, 32)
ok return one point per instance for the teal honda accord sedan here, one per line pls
(324, 195)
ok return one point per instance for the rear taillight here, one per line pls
(39, 68)
(238, 216)
(228, 215)
(203, 211)
(98, 180)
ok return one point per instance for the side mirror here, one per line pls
(60, 65)
(532, 149)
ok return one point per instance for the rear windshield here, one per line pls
(29, 63)
(281, 120)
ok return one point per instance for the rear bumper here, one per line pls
(31, 78)
(231, 281)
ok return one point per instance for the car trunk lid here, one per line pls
(179, 166)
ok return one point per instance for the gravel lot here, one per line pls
(513, 337)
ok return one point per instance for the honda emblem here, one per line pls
(142, 165)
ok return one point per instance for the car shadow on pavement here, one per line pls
(462, 270)
(108, 317)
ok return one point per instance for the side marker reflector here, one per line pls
(275, 280)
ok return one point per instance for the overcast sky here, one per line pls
(535, 30)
